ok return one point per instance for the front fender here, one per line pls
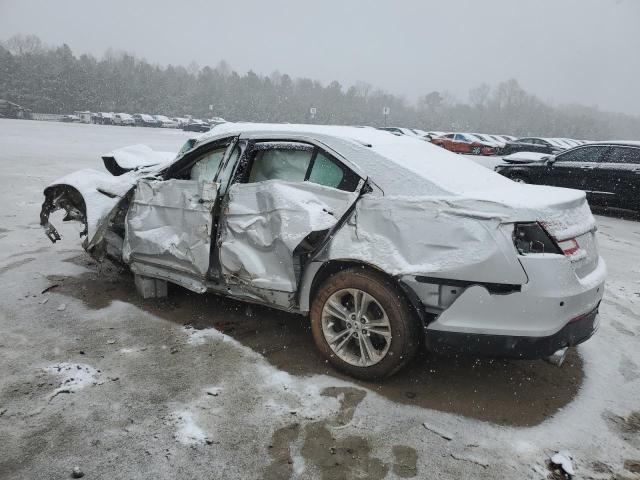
(87, 196)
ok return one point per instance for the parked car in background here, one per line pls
(553, 145)
(165, 121)
(102, 118)
(83, 115)
(409, 132)
(503, 138)
(71, 119)
(215, 121)
(124, 119)
(463, 143)
(196, 125)
(528, 145)
(490, 141)
(431, 135)
(489, 277)
(145, 120)
(609, 172)
(575, 142)
(418, 132)
(181, 121)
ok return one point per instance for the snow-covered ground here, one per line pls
(197, 386)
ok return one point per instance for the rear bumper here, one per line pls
(576, 331)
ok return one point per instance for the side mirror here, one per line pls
(550, 160)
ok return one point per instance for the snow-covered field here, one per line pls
(202, 387)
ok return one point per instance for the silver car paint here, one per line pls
(264, 223)
(435, 235)
(169, 225)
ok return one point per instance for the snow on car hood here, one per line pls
(526, 157)
(135, 156)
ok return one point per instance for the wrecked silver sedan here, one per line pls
(387, 243)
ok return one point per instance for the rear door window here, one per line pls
(624, 155)
(584, 154)
(300, 163)
(326, 172)
(290, 165)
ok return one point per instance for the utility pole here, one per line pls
(313, 112)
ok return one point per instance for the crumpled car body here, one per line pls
(272, 213)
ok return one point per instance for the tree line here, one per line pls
(49, 79)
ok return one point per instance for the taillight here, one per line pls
(569, 246)
(533, 238)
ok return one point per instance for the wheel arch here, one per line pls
(518, 172)
(320, 271)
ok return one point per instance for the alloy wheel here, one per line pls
(356, 327)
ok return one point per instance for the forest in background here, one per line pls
(52, 79)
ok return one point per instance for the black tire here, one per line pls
(404, 325)
(519, 178)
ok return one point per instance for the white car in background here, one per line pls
(409, 132)
(504, 139)
(181, 121)
(431, 135)
(123, 119)
(166, 122)
(385, 243)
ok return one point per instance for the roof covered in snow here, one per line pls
(399, 165)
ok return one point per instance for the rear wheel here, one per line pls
(363, 325)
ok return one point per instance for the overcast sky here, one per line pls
(583, 51)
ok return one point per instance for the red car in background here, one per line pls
(464, 143)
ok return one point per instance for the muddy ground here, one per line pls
(198, 386)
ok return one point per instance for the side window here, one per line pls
(624, 155)
(584, 154)
(326, 172)
(205, 169)
(329, 172)
(282, 164)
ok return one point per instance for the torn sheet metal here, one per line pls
(101, 194)
(169, 225)
(420, 236)
(124, 159)
(452, 237)
(266, 221)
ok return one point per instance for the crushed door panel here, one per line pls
(264, 223)
(169, 225)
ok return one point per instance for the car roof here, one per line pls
(399, 165)
(627, 143)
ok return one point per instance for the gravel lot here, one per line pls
(201, 387)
